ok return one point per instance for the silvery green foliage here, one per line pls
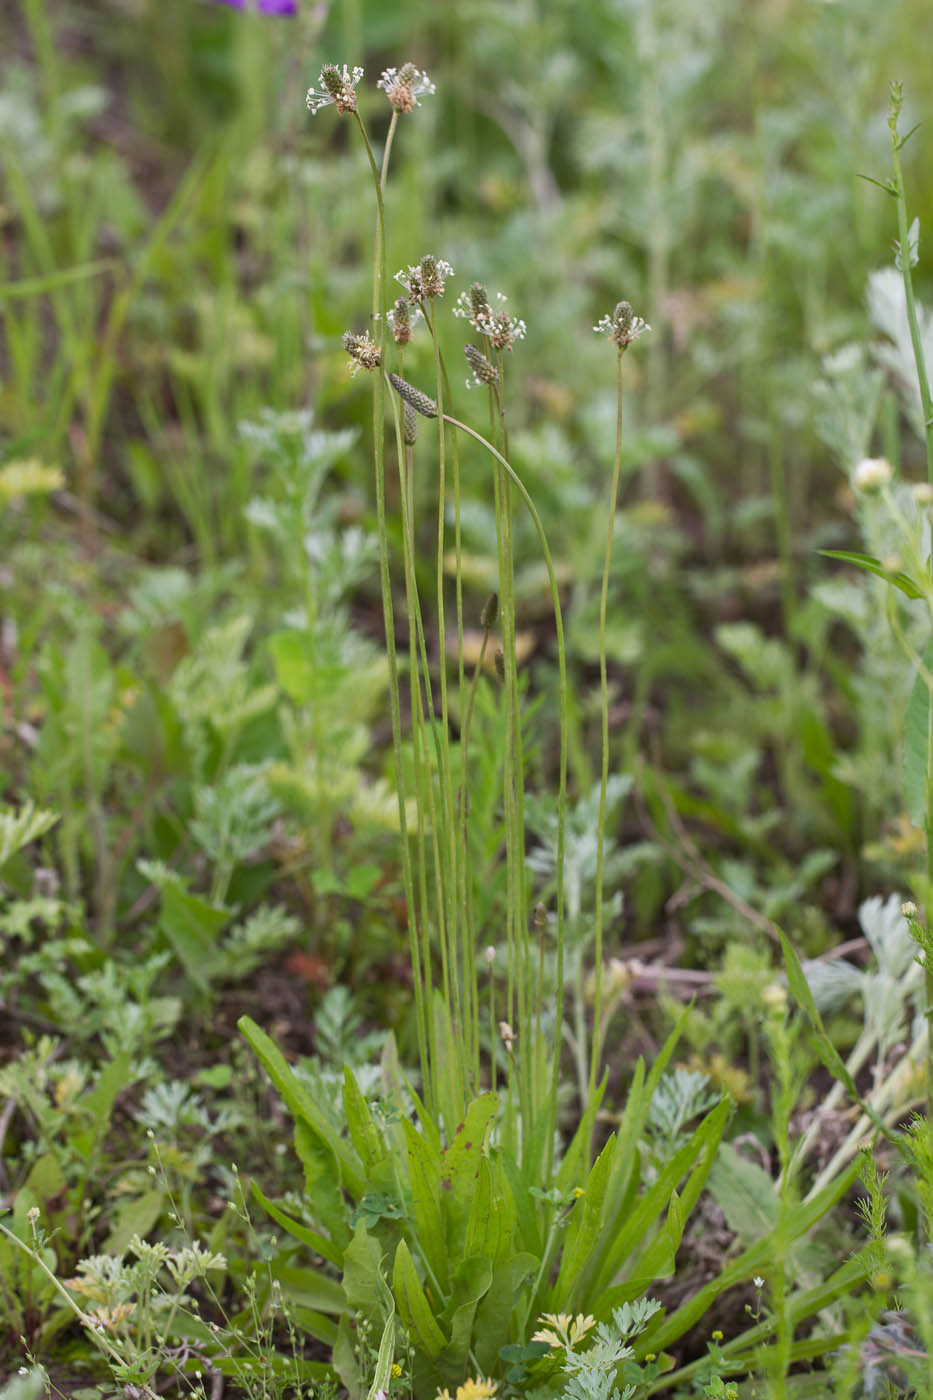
(295, 511)
(232, 817)
(592, 1373)
(847, 399)
(581, 843)
(884, 988)
(681, 1096)
(887, 307)
(18, 828)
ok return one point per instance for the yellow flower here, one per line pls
(471, 1390)
(396, 1370)
(565, 1331)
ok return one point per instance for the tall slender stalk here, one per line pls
(424, 1028)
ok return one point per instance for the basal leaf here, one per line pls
(314, 1241)
(413, 1307)
(300, 1103)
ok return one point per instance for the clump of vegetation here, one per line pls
(524, 992)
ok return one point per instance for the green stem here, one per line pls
(903, 232)
(562, 787)
(604, 714)
(379, 315)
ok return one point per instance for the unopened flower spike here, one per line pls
(363, 351)
(419, 401)
(409, 425)
(500, 329)
(623, 326)
(403, 86)
(338, 89)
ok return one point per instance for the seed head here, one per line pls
(623, 326)
(363, 351)
(490, 612)
(484, 372)
(403, 86)
(338, 89)
(409, 425)
(419, 401)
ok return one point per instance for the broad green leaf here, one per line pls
(471, 1283)
(460, 1163)
(322, 1183)
(315, 1324)
(300, 1103)
(745, 1193)
(309, 1288)
(366, 1290)
(917, 745)
(424, 1170)
(491, 1226)
(413, 1307)
(135, 1217)
(874, 566)
(97, 1106)
(504, 1309)
(364, 1134)
(191, 924)
(318, 1243)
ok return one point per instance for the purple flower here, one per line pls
(267, 7)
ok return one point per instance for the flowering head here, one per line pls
(403, 86)
(338, 89)
(564, 1330)
(623, 326)
(401, 318)
(500, 329)
(428, 279)
(484, 372)
(364, 352)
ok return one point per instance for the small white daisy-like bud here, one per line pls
(403, 86)
(338, 89)
(909, 909)
(922, 493)
(872, 473)
(623, 326)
